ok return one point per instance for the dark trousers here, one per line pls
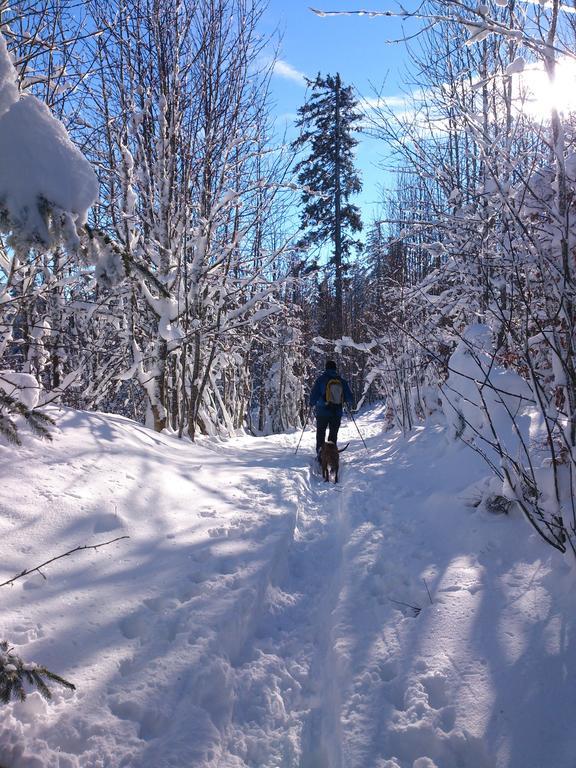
(324, 421)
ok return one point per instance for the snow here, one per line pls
(477, 32)
(257, 616)
(109, 268)
(38, 162)
(516, 66)
(8, 87)
(480, 397)
(23, 387)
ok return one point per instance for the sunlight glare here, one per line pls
(537, 95)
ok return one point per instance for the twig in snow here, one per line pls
(28, 571)
(427, 590)
(413, 608)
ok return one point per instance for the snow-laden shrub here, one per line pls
(46, 189)
(283, 393)
(46, 184)
(494, 411)
(404, 372)
(482, 401)
(109, 263)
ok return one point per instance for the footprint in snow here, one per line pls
(159, 604)
(21, 634)
(226, 567)
(198, 577)
(185, 594)
(394, 691)
(216, 533)
(152, 725)
(107, 522)
(435, 687)
(135, 625)
(201, 556)
(36, 581)
(126, 667)
(126, 710)
(388, 671)
(447, 719)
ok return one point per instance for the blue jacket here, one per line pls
(318, 393)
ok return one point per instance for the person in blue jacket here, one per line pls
(328, 395)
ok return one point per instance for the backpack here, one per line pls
(334, 392)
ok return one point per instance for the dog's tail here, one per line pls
(340, 450)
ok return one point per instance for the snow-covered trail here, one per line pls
(260, 618)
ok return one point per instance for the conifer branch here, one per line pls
(38, 422)
(15, 672)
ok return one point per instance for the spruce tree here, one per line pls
(328, 176)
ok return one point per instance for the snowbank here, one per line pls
(39, 165)
(257, 617)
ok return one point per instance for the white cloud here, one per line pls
(400, 103)
(288, 72)
(400, 106)
(377, 102)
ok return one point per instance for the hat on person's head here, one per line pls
(331, 365)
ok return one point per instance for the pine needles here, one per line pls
(15, 674)
(38, 422)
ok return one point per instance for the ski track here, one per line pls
(344, 695)
(293, 640)
(368, 632)
(288, 622)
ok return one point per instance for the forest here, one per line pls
(179, 588)
(151, 263)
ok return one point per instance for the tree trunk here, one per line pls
(338, 321)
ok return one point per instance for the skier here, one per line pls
(328, 395)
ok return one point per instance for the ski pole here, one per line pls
(356, 425)
(303, 428)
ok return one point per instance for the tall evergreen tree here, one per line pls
(328, 176)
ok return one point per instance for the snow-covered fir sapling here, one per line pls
(16, 674)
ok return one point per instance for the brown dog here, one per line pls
(330, 460)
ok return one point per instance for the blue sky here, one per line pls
(354, 46)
